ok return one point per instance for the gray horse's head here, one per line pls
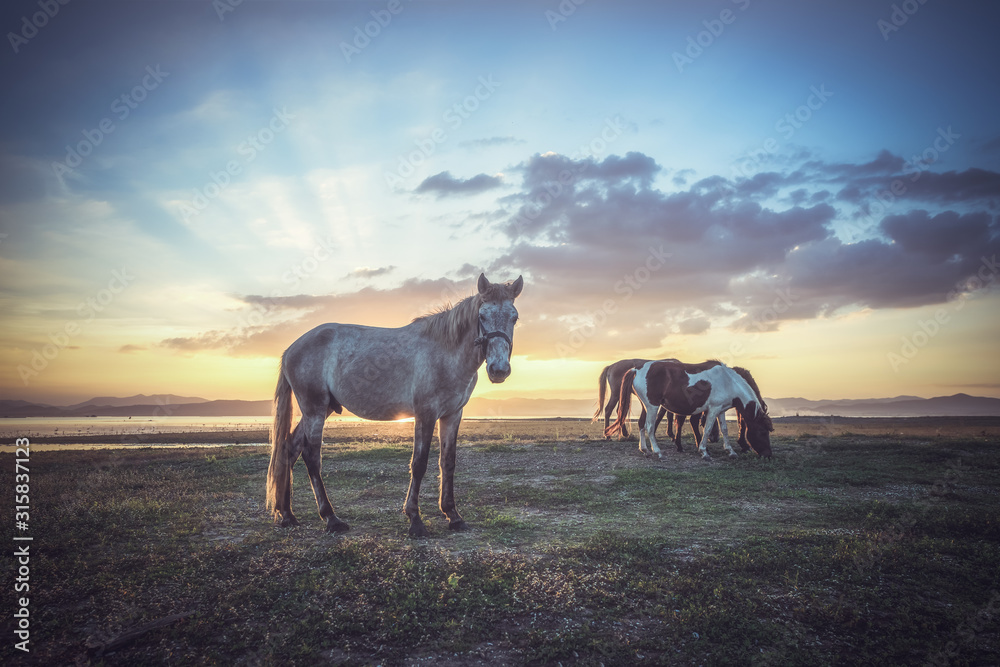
(497, 317)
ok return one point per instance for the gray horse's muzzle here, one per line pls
(498, 371)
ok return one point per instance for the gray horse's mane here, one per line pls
(451, 324)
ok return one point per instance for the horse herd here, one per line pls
(428, 369)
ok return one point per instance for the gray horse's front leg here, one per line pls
(423, 431)
(448, 434)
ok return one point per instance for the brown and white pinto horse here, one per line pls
(690, 389)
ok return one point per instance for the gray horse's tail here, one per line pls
(279, 473)
(601, 381)
(624, 404)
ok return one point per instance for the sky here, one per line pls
(808, 190)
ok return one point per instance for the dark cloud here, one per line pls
(552, 172)
(444, 184)
(917, 184)
(942, 236)
(467, 271)
(615, 262)
(954, 187)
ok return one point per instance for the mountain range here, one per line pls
(170, 405)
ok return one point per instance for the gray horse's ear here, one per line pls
(484, 284)
(517, 285)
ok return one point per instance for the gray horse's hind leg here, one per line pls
(311, 454)
(448, 435)
(284, 502)
(423, 431)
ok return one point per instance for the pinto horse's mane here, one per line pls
(450, 324)
(765, 418)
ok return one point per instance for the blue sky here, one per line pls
(267, 170)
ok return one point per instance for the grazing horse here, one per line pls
(713, 435)
(612, 375)
(690, 389)
(425, 370)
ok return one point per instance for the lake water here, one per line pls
(117, 427)
(121, 432)
(29, 427)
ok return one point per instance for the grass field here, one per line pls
(873, 542)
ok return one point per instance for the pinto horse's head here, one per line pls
(759, 426)
(497, 317)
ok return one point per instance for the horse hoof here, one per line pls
(289, 521)
(335, 525)
(459, 525)
(706, 458)
(734, 455)
(418, 531)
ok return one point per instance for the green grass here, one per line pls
(842, 550)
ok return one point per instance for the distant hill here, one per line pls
(203, 408)
(958, 405)
(139, 399)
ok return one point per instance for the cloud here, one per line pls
(614, 265)
(681, 177)
(444, 184)
(942, 236)
(693, 326)
(492, 141)
(611, 255)
(956, 187)
(365, 272)
(271, 324)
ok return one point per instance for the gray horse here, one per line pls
(425, 370)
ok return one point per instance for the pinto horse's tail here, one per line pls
(624, 404)
(601, 381)
(279, 473)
